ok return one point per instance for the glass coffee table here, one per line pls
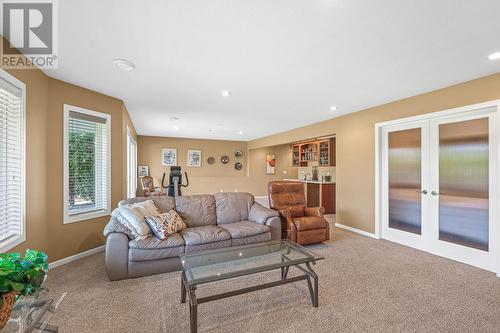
(32, 314)
(233, 262)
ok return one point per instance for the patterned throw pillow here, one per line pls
(165, 224)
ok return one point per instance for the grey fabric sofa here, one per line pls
(214, 221)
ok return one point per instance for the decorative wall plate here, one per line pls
(238, 153)
(224, 159)
(211, 160)
(238, 166)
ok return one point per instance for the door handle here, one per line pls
(422, 192)
(436, 193)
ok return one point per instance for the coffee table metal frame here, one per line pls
(189, 289)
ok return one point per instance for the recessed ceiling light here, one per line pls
(175, 127)
(240, 132)
(494, 56)
(225, 93)
(123, 65)
(333, 108)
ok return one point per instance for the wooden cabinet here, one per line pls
(328, 198)
(309, 152)
(313, 194)
(319, 194)
(327, 152)
(321, 151)
(296, 155)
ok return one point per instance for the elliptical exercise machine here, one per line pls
(174, 181)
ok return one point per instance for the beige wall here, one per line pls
(44, 164)
(68, 239)
(355, 171)
(37, 119)
(258, 176)
(213, 178)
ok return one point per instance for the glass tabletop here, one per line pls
(214, 265)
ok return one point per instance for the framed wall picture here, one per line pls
(270, 164)
(142, 170)
(169, 156)
(194, 158)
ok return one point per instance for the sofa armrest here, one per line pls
(275, 224)
(116, 256)
(314, 211)
(261, 214)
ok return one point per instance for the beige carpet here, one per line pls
(365, 285)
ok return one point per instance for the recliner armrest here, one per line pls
(291, 228)
(260, 214)
(314, 211)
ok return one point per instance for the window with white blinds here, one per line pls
(12, 227)
(87, 164)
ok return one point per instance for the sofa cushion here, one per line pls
(233, 206)
(204, 234)
(265, 237)
(245, 228)
(155, 243)
(309, 223)
(154, 254)
(152, 248)
(164, 203)
(196, 210)
(208, 246)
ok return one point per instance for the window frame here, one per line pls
(13, 241)
(79, 217)
(131, 169)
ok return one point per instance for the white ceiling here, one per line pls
(286, 62)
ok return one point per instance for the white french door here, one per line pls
(405, 180)
(438, 186)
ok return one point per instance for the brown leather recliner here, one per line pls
(298, 223)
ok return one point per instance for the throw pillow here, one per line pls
(165, 224)
(133, 216)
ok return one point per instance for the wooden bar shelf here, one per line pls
(321, 151)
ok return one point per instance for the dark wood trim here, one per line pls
(333, 148)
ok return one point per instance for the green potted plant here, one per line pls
(19, 276)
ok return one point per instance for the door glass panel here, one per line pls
(463, 183)
(405, 207)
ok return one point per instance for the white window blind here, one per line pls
(11, 164)
(87, 164)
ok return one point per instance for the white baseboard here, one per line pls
(76, 257)
(361, 232)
